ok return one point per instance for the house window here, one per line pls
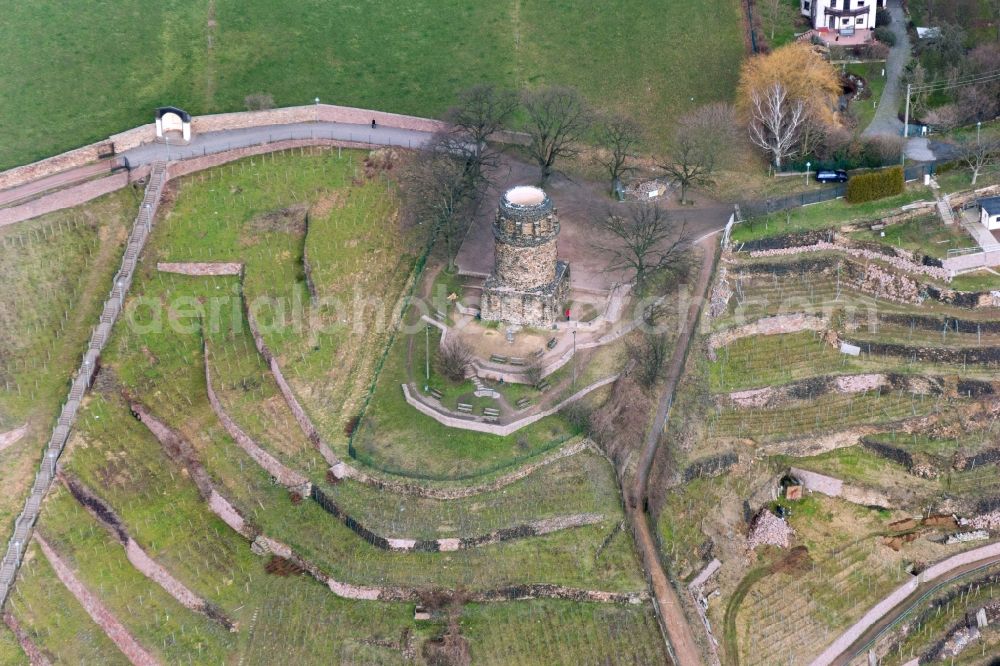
(805, 6)
(845, 21)
(861, 21)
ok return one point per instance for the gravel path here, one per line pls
(886, 119)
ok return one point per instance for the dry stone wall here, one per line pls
(105, 619)
(35, 656)
(200, 269)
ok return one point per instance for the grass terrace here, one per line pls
(825, 215)
(54, 619)
(396, 438)
(583, 483)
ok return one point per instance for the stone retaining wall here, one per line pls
(285, 476)
(35, 656)
(298, 482)
(899, 595)
(12, 437)
(105, 619)
(305, 423)
(495, 428)
(200, 269)
(68, 197)
(50, 165)
(137, 136)
(776, 325)
(179, 450)
(345, 471)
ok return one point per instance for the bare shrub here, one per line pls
(647, 355)
(453, 358)
(449, 649)
(259, 101)
(619, 425)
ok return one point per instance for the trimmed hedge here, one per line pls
(875, 185)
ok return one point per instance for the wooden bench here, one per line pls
(514, 360)
(551, 344)
(543, 385)
(491, 419)
(523, 402)
(538, 353)
(496, 358)
(437, 394)
(490, 411)
(440, 316)
(465, 408)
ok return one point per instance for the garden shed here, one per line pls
(989, 212)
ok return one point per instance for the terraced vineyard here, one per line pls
(905, 427)
(181, 520)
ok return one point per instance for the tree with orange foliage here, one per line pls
(809, 88)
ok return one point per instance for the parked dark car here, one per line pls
(831, 176)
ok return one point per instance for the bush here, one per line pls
(875, 185)
(259, 101)
(453, 357)
(882, 18)
(885, 35)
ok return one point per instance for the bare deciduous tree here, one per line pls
(481, 112)
(979, 155)
(775, 122)
(558, 119)
(647, 355)
(453, 358)
(701, 141)
(619, 137)
(436, 189)
(647, 240)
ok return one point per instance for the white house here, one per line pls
(844, 16)
(989, 212)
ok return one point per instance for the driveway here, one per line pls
(886, 119)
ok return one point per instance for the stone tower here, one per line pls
(529, 284)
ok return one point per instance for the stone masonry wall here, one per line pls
(131, 138)
(524, 268)
(68, 160)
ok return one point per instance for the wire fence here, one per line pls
(765, 207)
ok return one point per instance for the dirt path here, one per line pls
(684, 647)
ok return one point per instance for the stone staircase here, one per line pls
(25, 522)
(482, 390)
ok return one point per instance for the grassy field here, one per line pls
(648, 58)
(924, 235)
(864, 109)
(829, 214)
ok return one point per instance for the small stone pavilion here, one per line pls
(528, 285)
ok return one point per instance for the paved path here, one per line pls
(886, 119)
(217, 142)
(679, 632)
(54, 181)
(862, 643)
